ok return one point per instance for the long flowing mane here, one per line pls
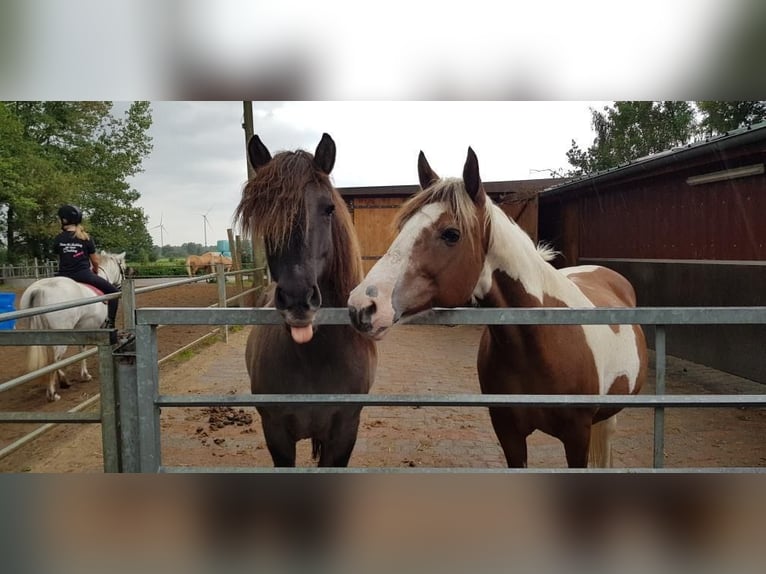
(273, 203)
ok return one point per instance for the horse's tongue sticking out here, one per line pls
(302, 334)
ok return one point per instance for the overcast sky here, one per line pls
(198, 164)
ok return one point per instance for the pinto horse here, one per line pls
(455, 247)
(314, 259)
(57, 290)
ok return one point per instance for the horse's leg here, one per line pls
(339, 444)
(600, 450)
(576, 439)
(513, 441)
(58, 354)
(57, 378)
(84, 374)
(280, 444)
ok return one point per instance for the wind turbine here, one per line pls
(205, 225)
(162, 231)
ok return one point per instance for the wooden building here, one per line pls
(374, 208)
(688, 228)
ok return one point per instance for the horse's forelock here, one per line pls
(450, 191)
(273, 201)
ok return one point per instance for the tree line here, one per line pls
(628, 130)
(81, 153)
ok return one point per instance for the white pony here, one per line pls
(57, 290)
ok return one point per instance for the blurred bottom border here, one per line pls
(342, 523)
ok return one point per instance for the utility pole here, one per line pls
(259, 253)
(247, 125)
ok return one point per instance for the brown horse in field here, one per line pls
(314, 259)
(206, 261)
(454, 247)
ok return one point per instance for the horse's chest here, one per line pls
(329, 364)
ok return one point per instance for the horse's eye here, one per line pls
(329, 210)
(451, 236)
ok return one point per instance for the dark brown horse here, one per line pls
(456, 247)
(314, 259)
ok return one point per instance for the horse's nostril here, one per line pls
(368, 312)
(362, 318)
(315, 300)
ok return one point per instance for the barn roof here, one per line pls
(755, 133)
(498, 190)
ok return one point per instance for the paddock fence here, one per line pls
(130, 402)
(108, 401)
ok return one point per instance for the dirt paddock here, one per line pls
(412, 360)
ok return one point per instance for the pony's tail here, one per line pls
(600, 450)
(38, 356)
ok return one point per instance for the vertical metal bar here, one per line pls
(222, 296)
(126, 377)
(129, 304)
(109, 430)
(148, 391)
(659, 389)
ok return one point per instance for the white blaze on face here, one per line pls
(379, 284)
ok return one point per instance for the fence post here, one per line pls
(222, 296)
(147, 387)
(235, 246)
(109, 409)
(659, 389)
(129, 304)
(126, 383)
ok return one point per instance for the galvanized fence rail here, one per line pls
(109, 401)
(138, 376)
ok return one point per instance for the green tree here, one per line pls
(629, 130)
(721, 117)
(72, 152)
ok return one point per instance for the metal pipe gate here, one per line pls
(140, 402)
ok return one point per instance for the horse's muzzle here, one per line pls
(361, 319)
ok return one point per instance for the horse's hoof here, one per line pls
(54, 398)
(87, 378)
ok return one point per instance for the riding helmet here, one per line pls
(70, 214)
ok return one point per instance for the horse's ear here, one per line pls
(257, 152)
(426, 175)
(324, 156)
(471, 177)
(121, 255)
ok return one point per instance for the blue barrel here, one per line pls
(6, 306)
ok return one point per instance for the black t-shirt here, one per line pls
(74, 254)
